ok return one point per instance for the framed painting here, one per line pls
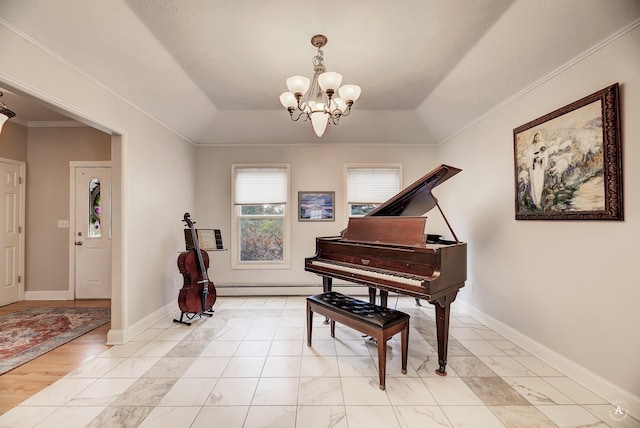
(316, 206)
(568, 163)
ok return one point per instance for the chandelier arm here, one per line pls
(334, 116)
(3, 106)
(329, 96)
(4, 109)
(348, 109)
(301, 113)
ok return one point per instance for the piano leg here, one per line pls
(326, 284)
(326, 287)
(372, 295)
(443, 310)
(384, 297)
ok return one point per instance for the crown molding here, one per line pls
(55, 124)
(48, 123)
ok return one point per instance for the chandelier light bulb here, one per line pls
(350, 93)
(330, 81)
(298, 84)
(310, 106)
(5, 113)
(3, 119)
(288, 100)
(319, 121)
(338, 103)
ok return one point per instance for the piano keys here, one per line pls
(388, 250)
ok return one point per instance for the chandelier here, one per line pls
(5, 113)
(320, 107)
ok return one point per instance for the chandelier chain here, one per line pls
(318, 60)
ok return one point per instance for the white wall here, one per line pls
(153, 178)
(568, 286)
(314, 167)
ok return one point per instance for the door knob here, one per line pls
(78, 242)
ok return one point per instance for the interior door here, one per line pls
(92, 233)
(10, 242)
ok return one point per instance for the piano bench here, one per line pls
(376, 321)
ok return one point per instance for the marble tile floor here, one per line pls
(249, 366)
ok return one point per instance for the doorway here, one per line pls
(92, 118)
(91, 230)
(12, 174)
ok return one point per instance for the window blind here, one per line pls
(260, 185)
(372, 185)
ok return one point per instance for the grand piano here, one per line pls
(388, 250)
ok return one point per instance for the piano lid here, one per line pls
(416, 199)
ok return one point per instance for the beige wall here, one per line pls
(48, 156)
(13, 142)
(313, 167)
(569, 288)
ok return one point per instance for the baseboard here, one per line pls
(119, 337)
(48, 295)
(598, 385)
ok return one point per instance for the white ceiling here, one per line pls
(212, 70)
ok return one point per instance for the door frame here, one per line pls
(21, 236)
(73, 165)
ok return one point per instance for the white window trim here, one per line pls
(366, 165)
(235, 225)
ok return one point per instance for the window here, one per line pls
(260, 215)
(95, 209)
(369, 186)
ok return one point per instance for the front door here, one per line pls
(10, 236)
(92, 233)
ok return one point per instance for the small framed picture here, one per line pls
(316, 206)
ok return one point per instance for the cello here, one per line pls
(198, 294)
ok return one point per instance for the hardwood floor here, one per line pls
(22, 382)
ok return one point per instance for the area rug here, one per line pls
(29, 333)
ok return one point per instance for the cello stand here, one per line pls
(192, 315)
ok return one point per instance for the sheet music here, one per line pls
(209, 239)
